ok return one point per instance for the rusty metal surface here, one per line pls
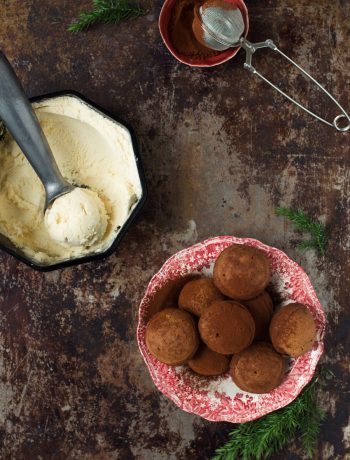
(220, 152)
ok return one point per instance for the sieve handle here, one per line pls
(250, 49)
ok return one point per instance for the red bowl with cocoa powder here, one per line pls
(201, 58)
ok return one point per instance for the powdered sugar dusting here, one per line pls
(219, 399)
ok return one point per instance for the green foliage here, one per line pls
(107, 11)
(262, 438)
(303, 223)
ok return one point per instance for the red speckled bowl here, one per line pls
(217, 398)
(198, 62)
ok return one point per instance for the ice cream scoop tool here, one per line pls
(17, 114)
(223, 27)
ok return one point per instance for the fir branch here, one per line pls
(304, 223)
(107, 11)
(262, 438)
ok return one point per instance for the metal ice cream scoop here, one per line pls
(223, 27)
(19, 118)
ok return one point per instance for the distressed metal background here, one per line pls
(220, 151)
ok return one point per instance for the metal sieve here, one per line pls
(224, 27)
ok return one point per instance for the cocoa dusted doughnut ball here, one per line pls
(293, 330)
(242, 272)
(198, 294)
(258, 369)
(226, 327)
(261, 309)
(172, 337)
(209, 363)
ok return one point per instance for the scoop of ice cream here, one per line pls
(77, 218)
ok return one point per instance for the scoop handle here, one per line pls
(17, 114)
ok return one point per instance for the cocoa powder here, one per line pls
(181, 33)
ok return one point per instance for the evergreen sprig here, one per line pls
(107, 11)
(262, 438)
(304, 223)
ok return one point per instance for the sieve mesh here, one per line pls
(223, 27)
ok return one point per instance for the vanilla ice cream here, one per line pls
(78, 218)
(91, 151)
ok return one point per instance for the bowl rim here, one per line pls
(222, 57)
(310, 360)
(135, 212)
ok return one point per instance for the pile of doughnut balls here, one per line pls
(228, 324)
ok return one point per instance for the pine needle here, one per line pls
(262, 438)
(304, 223)
(106, 11)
